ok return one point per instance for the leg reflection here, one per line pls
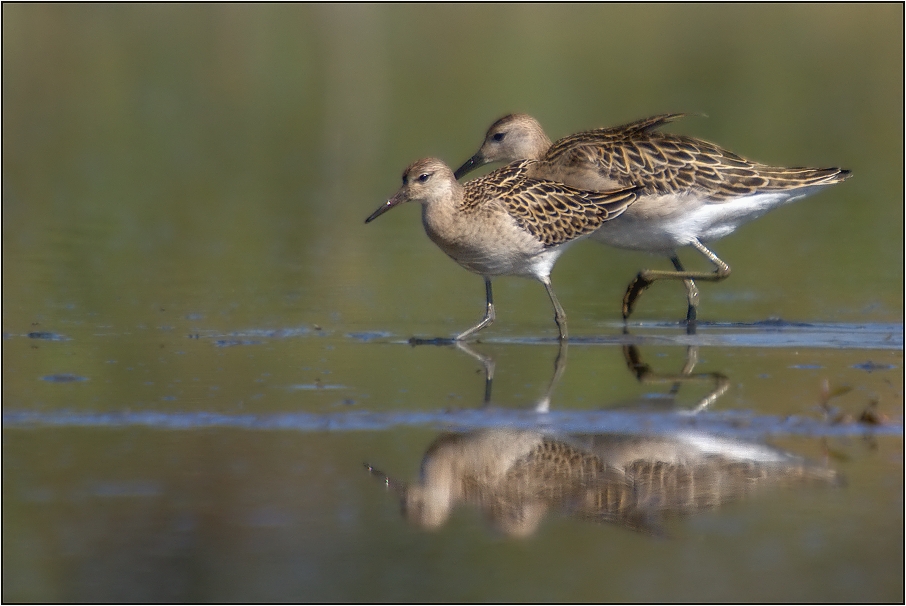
(543, 404)
(646, 375)
(487, 362)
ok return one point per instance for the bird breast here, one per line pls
(485, 240)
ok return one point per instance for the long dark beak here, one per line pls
(470, 165)
(395, 200)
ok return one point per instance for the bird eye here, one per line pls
(424, 177)
(498, 136)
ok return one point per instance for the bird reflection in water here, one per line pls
(516, 477)
(646, 375)
(543, 403)
(642, 371)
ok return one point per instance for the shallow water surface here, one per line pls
(214, 473)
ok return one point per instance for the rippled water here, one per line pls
(130, 480)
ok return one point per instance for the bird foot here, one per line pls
(639, 284)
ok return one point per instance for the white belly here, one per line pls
(664, 223)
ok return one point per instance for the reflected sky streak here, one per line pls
(727, 423)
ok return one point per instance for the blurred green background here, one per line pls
(226, 156)
(174, 171)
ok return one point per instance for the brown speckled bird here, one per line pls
(505, 223)
(690, 191)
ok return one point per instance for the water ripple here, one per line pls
(731, 423)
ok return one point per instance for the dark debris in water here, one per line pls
(47, 336)
(872, 416)
(64, 378)
(834, 415)
(870, 366)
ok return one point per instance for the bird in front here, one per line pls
(505, 223)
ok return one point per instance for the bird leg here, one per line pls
(559, 314)
(489, 316)
(648, 276)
